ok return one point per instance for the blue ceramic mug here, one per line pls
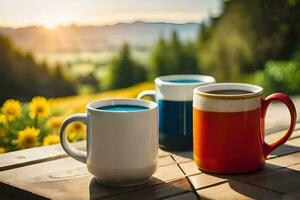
(174, 95)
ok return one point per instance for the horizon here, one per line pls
(57, 13)
(94, 25)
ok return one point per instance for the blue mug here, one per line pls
(174, 95)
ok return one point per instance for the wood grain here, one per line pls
(184, 156)
(185, 196)
(236, 190)
(189, 168)
(69, 179)
(34, 155)
(205, 180)
(156, 192)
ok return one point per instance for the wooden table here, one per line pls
(48, 173)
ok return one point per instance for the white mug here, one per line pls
(122, 146)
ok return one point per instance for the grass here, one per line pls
(78, 103)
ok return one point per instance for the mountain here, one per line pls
(96, 38)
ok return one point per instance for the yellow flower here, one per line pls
(3, 120)
(12, 109)
(51, 139)
(2, 150)
(27, 138)
(54, 122)
(74, 129)
(3, 126)
(3, 132)
(39, 107)
(72, 136)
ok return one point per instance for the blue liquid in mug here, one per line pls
(122, 108)
(175, 124)
(185, 81)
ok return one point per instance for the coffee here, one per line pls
(185, 81)
(230, 92)
(122, 108)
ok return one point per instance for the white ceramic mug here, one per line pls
(122, 146)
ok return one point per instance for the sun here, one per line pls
(52, 22)
(51, 25)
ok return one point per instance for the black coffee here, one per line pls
(230, 92)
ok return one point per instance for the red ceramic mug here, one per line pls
(228, 127)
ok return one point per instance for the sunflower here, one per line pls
(76, 127)
(2, 150)
(76, 131)
(54, 122)
(3, 132)
(72, 136)
(27, 138)
(39, 107)
(12, 109)
(51, 139)
(3, 126)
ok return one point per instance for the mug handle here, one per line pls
(150, 93)
(268, 148)
(76, 154)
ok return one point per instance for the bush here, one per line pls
(280, 76)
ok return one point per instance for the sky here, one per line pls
(52, 13)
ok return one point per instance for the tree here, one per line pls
(124, 71)
(21, 77)
(160, 59)
(246, 35)
(173, 57)
(190, 62)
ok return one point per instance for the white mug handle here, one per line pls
(76, 154)
(150, 93)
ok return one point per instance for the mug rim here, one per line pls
(254, 90)
(163, 80)
(93, 105)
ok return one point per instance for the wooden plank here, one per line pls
(205, 180)
(9, 192)
(294, 142)
(236, 190)
(156, 192)
(291, 196)
(283, 128)
(285, 161)
(189, 168)
(291, 146)
(34, 155)
(284, 180)
(69, 179)
(184, 156)
(185, 196)
(278, 114)
(272, 137)
(165, 160)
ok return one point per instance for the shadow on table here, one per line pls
(272, 181)
(184, 154)
(284, 150)
(154, 189)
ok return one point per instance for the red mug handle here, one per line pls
(268, 148)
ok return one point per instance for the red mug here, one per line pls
(228, 127)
